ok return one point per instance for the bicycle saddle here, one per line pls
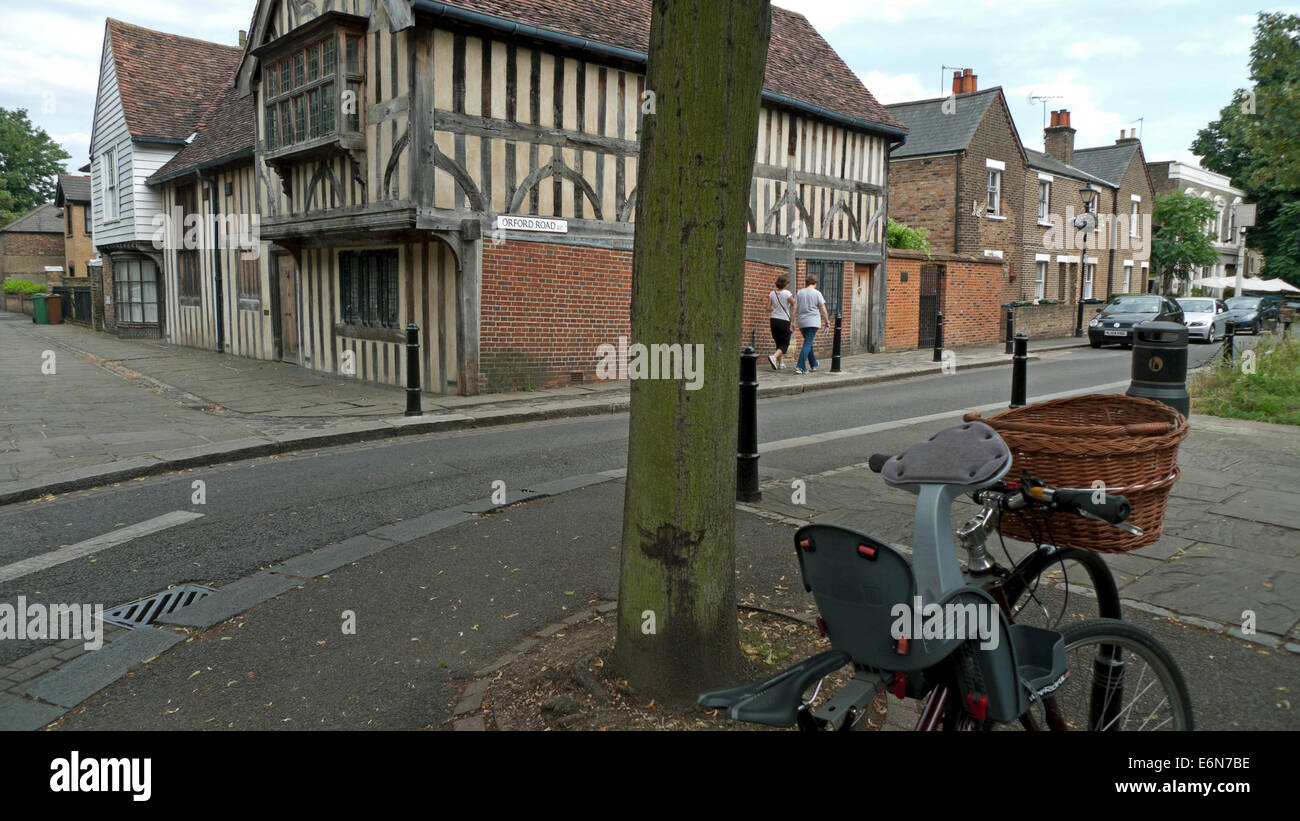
(966, 454)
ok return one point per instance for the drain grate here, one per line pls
(147, 610)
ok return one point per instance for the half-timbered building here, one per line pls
(471, 167)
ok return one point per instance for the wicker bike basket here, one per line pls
(1129, 444)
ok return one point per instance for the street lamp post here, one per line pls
(1081, 222)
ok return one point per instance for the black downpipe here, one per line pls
(216, 266)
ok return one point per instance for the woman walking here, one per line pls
(810, 307)
(780, 304)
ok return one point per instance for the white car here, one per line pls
(1206, 318)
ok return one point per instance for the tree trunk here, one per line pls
(698, 140)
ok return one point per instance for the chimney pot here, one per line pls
(956, 82)
(243, 38)
(972, 83)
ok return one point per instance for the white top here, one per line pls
(780, 305)
(808, 302)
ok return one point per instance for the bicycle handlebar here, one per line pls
(1112, 508)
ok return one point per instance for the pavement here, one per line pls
(273, 651)
(116, 409)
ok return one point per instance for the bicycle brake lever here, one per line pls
(1124, 526)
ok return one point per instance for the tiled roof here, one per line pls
(165, 80)
(1048, 163)
(43, 219)
(932, 131)
(800, 63)
(227, 129)
(73, 188)
(1109, 162)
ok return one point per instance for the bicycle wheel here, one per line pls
(1072, 585)
(1120, 679)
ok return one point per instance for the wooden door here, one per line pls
(288, 319)
(861, 307)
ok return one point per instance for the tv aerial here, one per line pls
(1043, 98)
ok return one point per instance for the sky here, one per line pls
(1165, 67)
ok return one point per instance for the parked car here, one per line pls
(1252, 313)
(1115, 321)
(1206, 319)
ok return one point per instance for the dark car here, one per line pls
(1251, 313)
(1115, 321)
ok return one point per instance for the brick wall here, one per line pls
(547, 307)
(25, 255)
(994, 139)
(921, 195)
(971, 300)
(1044, 321)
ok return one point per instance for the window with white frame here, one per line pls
(1040, 280)
(1044, 199)
(1133, 220)
(994, 205)
(1089, 272)
(1128, 275)
(108, 184)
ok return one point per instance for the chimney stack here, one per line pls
(243, 38)
(964, 82)
(1129, 136)
(1058, 138)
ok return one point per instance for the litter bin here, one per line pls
(1160, 364)
(40, 311)
(54, 308)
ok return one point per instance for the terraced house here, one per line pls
(471, 167)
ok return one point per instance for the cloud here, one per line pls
(827, 14)
(1088, 49)
(896, 88)
(1094, 124)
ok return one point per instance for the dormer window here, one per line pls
(310, 96)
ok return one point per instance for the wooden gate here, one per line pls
(931, 299)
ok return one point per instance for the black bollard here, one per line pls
(1011, 329)
(1019, 371)
(747, 430)
(1228, 340)
(938, 337)
(835, 346)
(413, 370)
(1160, 364)
(1286, 327)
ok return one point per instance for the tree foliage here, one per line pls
(901, 236)
(1256, 142)
(1182, 240)
(29, 164)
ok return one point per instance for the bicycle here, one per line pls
(965, 682)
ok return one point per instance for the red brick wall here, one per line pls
(971, 301)
(921, 195)
(546, 308)
(24, 255)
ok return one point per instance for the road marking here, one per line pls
(846, 433)
(95, 545)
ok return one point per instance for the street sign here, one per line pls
(1245, 215)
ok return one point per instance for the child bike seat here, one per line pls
(971, 454)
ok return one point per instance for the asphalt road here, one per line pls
(262, 511)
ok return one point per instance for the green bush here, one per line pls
(22, 286)
(899, 235)
(1265, 387)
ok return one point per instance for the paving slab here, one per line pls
(230, 601)
(1264, 506)
(327, 559)
(83, 677)
(421, 526)
(22, 714)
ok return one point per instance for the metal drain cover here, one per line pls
(147, 610)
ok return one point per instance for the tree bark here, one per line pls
(705, 78)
